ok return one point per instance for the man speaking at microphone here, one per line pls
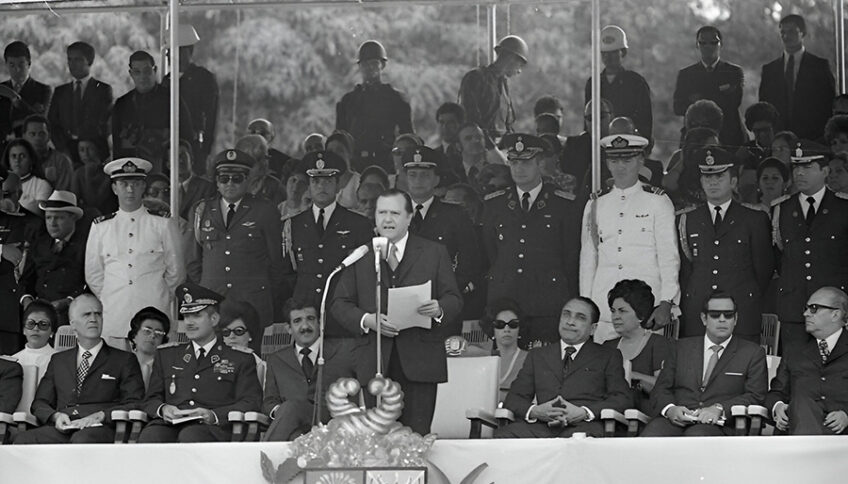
(414, 357)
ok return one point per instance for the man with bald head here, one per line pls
(279, 163)
(809, 395)
(82, 385)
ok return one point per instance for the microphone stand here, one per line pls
(378, 266)
(319, 378)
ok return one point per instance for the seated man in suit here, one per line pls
(809, 395)
(193, 387)
(82, 385)
(572, 381)
(11, 381)
(706, 375)
(290, 381)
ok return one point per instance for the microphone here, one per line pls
(381, 250)
(354, 256)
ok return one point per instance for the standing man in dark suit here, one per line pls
(415, 357)
(799, 84)
(32, 96)
(809, 395)
(201, 381)
(714, 79)
(292, 371)
(80, 108)
(82, 385)
(531, 234)
(809, 230)
(724, 244)
(572, 381)
(239, 242)
(450, 117)
(706, 375)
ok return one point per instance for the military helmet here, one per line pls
(371, 49)
(613, 38)
(515, 45)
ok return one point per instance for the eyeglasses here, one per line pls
(717, 314)
(224, 179)
(512, 323)
(814, 308)
(152, 332)
(42, 325)
(240, 331)
(709, 42)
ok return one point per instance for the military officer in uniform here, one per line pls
(629, 233)
(725, 245)
(531, 236)
(441, 222)
(132, 257)
(239, 241)
(317, 239)
(810, 230)
(194, 386)
(374, 112)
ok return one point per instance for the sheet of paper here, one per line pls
(404, 303)
(177, 421)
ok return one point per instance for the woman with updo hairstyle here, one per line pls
(149, 329)
(631, 304)
(501, 321)
(39, 324)
(773, 180)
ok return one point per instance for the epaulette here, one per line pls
(755, 206)
(105, 217)
(685, 210)
(172, 344)
(159, 213)
(841, 195)
(564, 194)
(779, 200)
(653, 189)
(495, 194)
(8, 358)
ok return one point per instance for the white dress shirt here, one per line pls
(425, 207)
(206, 348)
(818, 196)
(534, 192)
(94, 351)
(328, 212)
(724, 206)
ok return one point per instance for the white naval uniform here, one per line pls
(132, 260)
(637, 239)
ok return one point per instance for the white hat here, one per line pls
(128, 167)
(61, 201)
(623, 145)
(613, 38)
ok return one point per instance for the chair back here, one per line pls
(65, 338)
(671, 330)
(30, 383)
(770, 333)
(772, 362)
(273, 338)
(472, 333)
(472, 384)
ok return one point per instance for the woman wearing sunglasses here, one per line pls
(240, 323)
(40, 322)
(631, 304)
(149, 329)
(501, 322)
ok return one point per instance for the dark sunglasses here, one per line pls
(238, 331)
(224, 179)
(42, 325)
(814, 308)
(717, 314)
(513, 324)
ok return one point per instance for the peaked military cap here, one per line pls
(522, 146)
(322, 163)
(128, 168)
(623, 145)
(194, 298)
(713, 160)
(233, 160)
(806, 152)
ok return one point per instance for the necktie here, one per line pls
(525, 202)
(789, 77)
(711, 364)
(717, 221)
(230, 214)
(320, 222)
(823, 351)
(811, 210)
(306, 363)
(566, 360)
(82, 371)
(201, 353)
(58, 245)
(417, 219)
(392, 258)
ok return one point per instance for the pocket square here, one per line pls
(733, 374)
(106, 376)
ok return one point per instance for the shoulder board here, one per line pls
(105, 217)
(242, 350)
(292, 215)
(172, 344)
(756, 207)
(495, 194)
(685, 210)
(159, 213)
(564, 194)
(653, 189)
(8, 358)
(841, 195)
(779, 200)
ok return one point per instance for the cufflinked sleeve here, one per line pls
(668, 257)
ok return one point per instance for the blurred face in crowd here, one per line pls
(506, 337)
(625, 171)
(763, 133)
(781, 150)
(512, 64)
(472, 142)
(130, 192)
(366, 196)
(837, 179)
(709, 45)
(296, 186)
(184, 166)
(86, 316)
(37, 135)
(606, 117)
(38, 329)
(143, 75)
(719, 319)
(448, 127)
(839, 144)
(200, 326)
(59, 224)
(401, 146)
(159, 190)
(303, 326)
(624, 319)
(771, 183)
(719, 186)
(809, 178)
(575, 322)
(526, 174)
(232, 185)
(88, 152)
(314, 142)
(10, 194)
(371, 70)
(19, 161)
(791, 36)
(824, 314)
(18, 68)
(612, 59)
(421, 182)
(263, 128)
(323, 190)
(78, 64)
(236, 334)
(150, 334)
(391, 217)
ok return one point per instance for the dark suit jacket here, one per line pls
(19, 230)
(812, 100)
(595, 380)
(285, 381)
(199, 91)
(54, 276)
(35, 94)
(11, 385)
(113, 381)
(421, 351)
(723, 86)
(739, 378)
(94, 117)
(801, 375)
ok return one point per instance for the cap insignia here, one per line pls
(417, 157)
(231, 155)
(319, 164)
(710, 159)
(799, 153)
(619, 142)
(187, 298)
(129, 167)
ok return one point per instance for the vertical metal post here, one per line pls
(163, 32)
(839, 19)
(174, 151)
(236, 76)
(491, 31)
(596, 95)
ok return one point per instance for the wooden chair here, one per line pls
(472, 333)
(65, 338)
(770, 334)
(469, 399)
(274, 337)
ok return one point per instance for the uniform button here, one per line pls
(807, 264)
(227, 268)
(318, 289)
(823, 379)
(824, 397)
(715, 257)
(807, 239)
(619, 249)
(320, 261)
(130, 251)
(320, 246)
(130, 266)
(523, 226)
(320, 276)
(197, 377)
(621, 214)
(130, 234)
(619, 231)
(191, 402)
(130, 283)
(620, 267)
(807, 252)
(194, 390)
(229, 285)
(521, 240)
(520, 271)
(520, 256)
(809, 278)
(715, 271)
(715, 242)
(132, 220)
(228, 237)
(226, 252)
(715, 287)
